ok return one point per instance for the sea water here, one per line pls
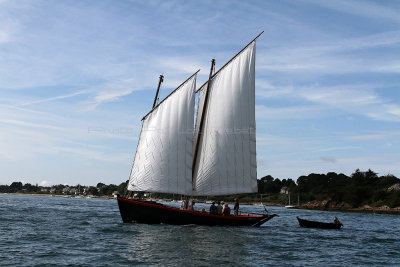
(44, 230)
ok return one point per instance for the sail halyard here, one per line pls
(165, 149)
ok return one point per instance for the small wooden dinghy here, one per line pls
(323, 225)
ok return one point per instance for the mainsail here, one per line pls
(226, 163)
(165, 150)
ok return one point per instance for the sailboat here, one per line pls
(212, 155)
(291, 206)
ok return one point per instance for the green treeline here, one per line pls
(100, 189)
(356, 190)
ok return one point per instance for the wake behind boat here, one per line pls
(216, 157)
(315, 224)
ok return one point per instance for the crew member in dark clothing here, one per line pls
(236, 207)
(213, 209)
(226, 211)
(219, 207)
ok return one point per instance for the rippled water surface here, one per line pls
(42, 230)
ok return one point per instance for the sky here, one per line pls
(76, 77)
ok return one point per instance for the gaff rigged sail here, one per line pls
(165, 150)
(226, 161)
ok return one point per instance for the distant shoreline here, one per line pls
(53, 195)
(357, 210)
(330, 205)
(380, 210)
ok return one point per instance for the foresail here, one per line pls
(164, 154)
(226, 163)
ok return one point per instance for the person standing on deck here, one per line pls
(219, 208)
(185, 204)
(236, 207)
(213, 209)
(226, 211)
(191, 206)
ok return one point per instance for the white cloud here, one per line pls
(111, 92)
(9, 26)
(38, 101)
(181, 65)
(44, 183)
(109, 96)
(393, 67)
(342, 97)
(328, 159)
(288, 113)
(94, 154)
(4, 37)
(358, 99)
(375, 136)
(333, 56)
(362, 8)
(30, 124)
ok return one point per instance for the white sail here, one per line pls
(200, 105)
(226, 162)
(163, 160)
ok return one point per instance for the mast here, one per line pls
(158, 90)
(196, 149)
(169, 95)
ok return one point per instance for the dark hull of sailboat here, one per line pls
(154, 213)
(322, 225)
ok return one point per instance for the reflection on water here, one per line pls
(191, 244)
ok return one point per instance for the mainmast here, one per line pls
(202, 119)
